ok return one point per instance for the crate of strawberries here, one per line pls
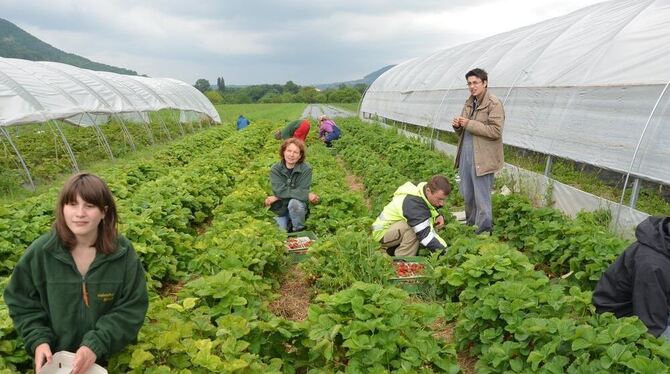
(298, 244)
(409, 272)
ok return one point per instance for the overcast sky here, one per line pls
(252, 41)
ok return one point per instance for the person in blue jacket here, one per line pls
(242, 122)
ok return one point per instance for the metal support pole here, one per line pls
(68, 149)
(178, 120)
(548, 166)
(18, 155)
(148, 128)
(101, 137)
(126, 133)
(161, 121)
(637, 148)
(635, 193)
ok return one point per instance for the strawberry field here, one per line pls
(516, 301)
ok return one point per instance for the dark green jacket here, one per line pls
(286, 185)
(289, 129)
(45, 298)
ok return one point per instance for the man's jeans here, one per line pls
(295, 216)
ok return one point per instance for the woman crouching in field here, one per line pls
(291, 179)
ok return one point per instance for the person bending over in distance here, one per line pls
(638, 282)
(295, 129)
(242, 122)
(291, 179)
(81, 286)
(328, 130)
(480, 149)
(411, 218)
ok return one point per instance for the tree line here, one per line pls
(277, 93)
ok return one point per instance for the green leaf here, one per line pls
(644, 365)
(139, 357)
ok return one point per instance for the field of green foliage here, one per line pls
(226, 298)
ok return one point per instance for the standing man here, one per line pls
(480, 149)
(242, 122)
(638, 282)
(412, 217)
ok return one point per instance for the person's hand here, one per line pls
(83, 360)
(270, 200)
(314, 198)
(459, 122)
(439, 222)
(42, 356)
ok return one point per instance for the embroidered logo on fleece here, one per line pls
(106, 297)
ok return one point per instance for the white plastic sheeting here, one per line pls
(42, 91)
(589, 86)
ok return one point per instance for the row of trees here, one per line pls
(277, 93)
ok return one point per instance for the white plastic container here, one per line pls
(61, 363)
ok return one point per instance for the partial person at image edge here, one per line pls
(638, 282)
(80, 287)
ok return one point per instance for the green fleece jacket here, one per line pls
(287, 185)
(45, 298)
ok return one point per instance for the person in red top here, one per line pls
(303, 130)
(295, 129)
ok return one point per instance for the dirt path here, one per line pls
(354, 183)
(295, 296)
(444, 330)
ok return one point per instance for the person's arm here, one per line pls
(418, 218)
(30, 318)
(119, 327)
(650, 302)
(492, 129)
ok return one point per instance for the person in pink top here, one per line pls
(328, 130)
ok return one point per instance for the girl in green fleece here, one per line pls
(80, 287)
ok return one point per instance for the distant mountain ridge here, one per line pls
(17, 43)
(368, 79)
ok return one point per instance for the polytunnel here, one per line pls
(47, 92)
(590, 86)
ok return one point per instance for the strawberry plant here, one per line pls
(368, 328)
(339, 261)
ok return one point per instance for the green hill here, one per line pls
(16, 43)
(368, 79)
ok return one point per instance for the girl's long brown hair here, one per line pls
(94, 191)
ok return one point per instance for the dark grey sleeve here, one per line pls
(416, 212)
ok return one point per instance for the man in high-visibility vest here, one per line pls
(411, 218)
